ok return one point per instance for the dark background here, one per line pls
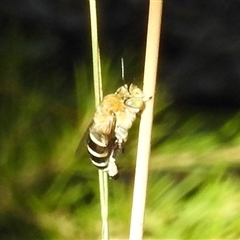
(199, 42)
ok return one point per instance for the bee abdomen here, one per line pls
(99, 155)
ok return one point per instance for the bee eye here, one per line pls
(134, 102)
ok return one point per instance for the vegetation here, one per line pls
(48, 193)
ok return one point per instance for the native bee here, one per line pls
(109, 128)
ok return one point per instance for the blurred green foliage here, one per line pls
(47, 193)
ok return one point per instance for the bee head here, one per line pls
(123, 91)
(135, 91)
(132, 96)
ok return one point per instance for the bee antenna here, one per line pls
(122, 70)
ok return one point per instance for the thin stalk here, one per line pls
(103, 179)
(96, 54)
(145, 129)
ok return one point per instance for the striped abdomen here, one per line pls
(99, 154)
(104, 156)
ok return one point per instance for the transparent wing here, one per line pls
(83, 141)
(103, 135)
(100, 139)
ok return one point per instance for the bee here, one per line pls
(109, 128)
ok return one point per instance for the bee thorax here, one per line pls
(125, 119)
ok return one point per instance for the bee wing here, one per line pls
(101, 135)
(82, 143)
(99, 138)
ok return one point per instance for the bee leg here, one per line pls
(118, 149)
(112, 167)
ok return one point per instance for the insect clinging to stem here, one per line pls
(109, 128)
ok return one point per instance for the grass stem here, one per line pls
(145, 129)
(103, 179)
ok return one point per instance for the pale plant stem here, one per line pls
(103, 179)
(145, 129)
(96, 54)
